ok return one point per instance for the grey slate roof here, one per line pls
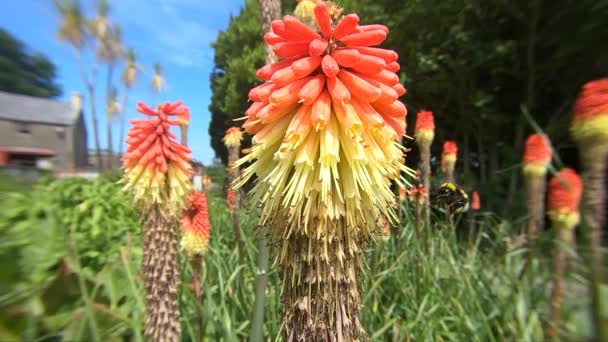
(25, 108)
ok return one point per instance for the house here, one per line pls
(42, 133)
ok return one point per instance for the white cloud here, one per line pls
(179, 30)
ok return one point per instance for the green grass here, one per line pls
(92, 288)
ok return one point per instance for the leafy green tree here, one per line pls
(239, 52)
(24, 72)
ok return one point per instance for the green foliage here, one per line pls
(61, 243)
(476, 64)
(71, 253)
(238, 54)
(24, 72)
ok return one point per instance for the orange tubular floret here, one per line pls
(266, 72)
(305, 66)
(288, 95)
(317, 47)
(359, 87)
(369, 65)
(283, 77)
(302, 31)
(389, 56)
(321, 110)
(346, 57)
(400, 89)
(346, 25)
(373, 27)
(272, 38)
(262, 92)
(394, 67)
(394, 109)
(311, 90)
(290, 49)
(329, 66)
(323, 19)
(337, 89)
(367, 38)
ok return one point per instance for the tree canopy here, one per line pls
(25, 72)
(478, 65)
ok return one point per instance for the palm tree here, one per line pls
(129, 75)
(109, 51)
(158, 82)
(72, 30)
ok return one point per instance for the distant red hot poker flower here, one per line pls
(590, 120)
(475, 202)
(230, 199)
(157, 167)
(425, 127)
(565, 190)
(233, 137)
(417, 193)
(195, 225)
(537, 155)
(449, 155)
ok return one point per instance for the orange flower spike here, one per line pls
(157, 167)
(425, 127)
(324, 152)
(537, 155)
(590, 120)
(475, 202)
(195, 225)
(565, 190)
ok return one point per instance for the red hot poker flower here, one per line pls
(565, 190)
(537, 155)
(475, 202)
(448, 155)
(157, 167)
(425, 127)
(590, 121)
(195, 225)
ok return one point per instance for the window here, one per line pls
(60, 132)
(23, 127)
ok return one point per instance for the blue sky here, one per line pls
(176, 33)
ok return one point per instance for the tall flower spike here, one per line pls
(232, 140)
(537, 156)
(590, 131)
(195, 225)
(157, 167)
(565, 190)
(326, 126)
(424, 134)
(448, 159)
(157, 177)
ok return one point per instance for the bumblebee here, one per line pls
(451, 198)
